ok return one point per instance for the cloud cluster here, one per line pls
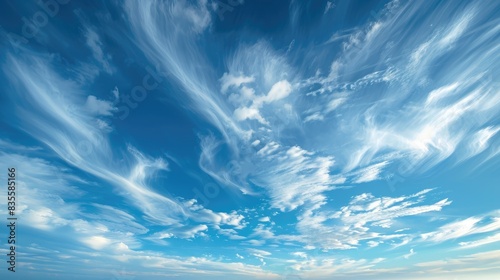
(290, 126)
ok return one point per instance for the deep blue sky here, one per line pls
(252, 139)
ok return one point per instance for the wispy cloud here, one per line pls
(228, 81)
(364, 218)
(159, 34)
(461, 228)
(485, 241)
(94, 43)
(369, 173)
(294, 129)
(411, 253)
(84, 146)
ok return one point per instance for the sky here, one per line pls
(236, 139)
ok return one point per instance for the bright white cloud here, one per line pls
(296, 177)
(278, 91)
(245, 113)
(461, 228)
(259, 253)
(99, 107)
(479, 141)
(384, 101)
(97, 242)
(481, 242)
(264, 219)
(353, 223)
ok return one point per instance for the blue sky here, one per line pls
(252, 140)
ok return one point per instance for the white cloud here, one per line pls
(231, 234)
(364, 135)
(115, 219)
(198, 16)
(75, 138)
(50, 195)
(334, 104)
(446, 114)
(326, 267)
(482, 265)
(464, 264)
(479, 141)
(479, 266)
(255, 242)
(259, 253)
(103, 125)
(439, 43)
(328, 7)
(188, 231)
(295, 176)
(97, 242)
(203, 215)
(99, 107)
(243, 96)
(116, 93)
(15, 147)
(277, 92)
(411, 253)
(178, 52)
(122, 247)
(300, 254)
(480, 242)
(440, 93)
(472, 225)
(366, 208)
(228, 80)
(252, 113)
(314, 117)
(268, 149)
(231, 176)
(346, 228)
(370, 173)
(372, 243)
(44, 218)
(256, 142)
(94, 43)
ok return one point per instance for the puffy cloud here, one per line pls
(264, 219)
(97, 242)
(99, 107)
(252, 113)
(278, 91)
